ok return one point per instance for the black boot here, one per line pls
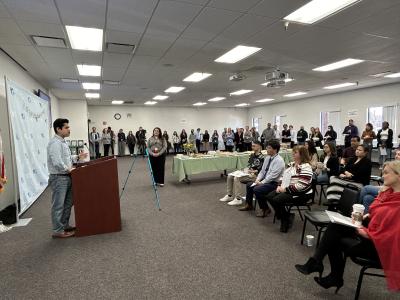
(311, 266)
(330, 281)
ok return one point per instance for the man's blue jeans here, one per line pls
(61, 203)
(367, 195)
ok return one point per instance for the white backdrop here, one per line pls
(30, 132)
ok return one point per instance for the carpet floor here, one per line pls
(195, 248)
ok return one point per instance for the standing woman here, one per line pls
(192, 137)
(157, 147)
(176, 141)
(385, 142)
(312, 132)
(206, 140)
(215, 140)
(166, 138)
(106, 138)
(255, 134)
(330, 135)
(230, 140)
(318, 138)
(131, 141)
(224, 137)
(184, 138)
(368, 136)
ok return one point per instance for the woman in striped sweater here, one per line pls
(297, 181)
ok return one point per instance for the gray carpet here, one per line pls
(195, 248)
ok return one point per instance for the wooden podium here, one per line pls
(96, 197)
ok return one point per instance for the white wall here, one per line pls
(170, 119)
(15, 73)
(76, 111)
(307, 111)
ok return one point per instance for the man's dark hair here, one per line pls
(257, 143)
(59, 123)
(357, 138)
(274, 144)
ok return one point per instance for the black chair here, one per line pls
(365, 264)
(321, 220)
(322, 191)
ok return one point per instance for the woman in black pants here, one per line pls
(378, 241)
(157, 147)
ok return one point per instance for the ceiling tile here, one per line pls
(116, 60)
(122, 37)
(155, 45)
(43, 29)
(87, 57)
(38, 10)
(83, 13)
(129, 15)
(235, 5)
(277, 8)
(210, 23)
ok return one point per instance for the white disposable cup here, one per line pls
(359, 208)
(310, 240)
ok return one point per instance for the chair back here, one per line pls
(350, 196)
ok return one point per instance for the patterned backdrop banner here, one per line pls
(30, 128)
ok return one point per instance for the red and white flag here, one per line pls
(3, 177)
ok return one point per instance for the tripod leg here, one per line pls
(152, 179)
(127, 177)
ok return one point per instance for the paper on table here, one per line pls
(238, 173)
(340, 219)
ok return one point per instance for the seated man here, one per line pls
(266, 181)
(234, 184)
(350, 152)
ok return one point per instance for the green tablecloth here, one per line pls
(185, 166)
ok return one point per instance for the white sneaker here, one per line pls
(236, 201)
(226, 198)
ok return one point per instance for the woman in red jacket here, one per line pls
(380, 240)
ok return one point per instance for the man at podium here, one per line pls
(59, 162)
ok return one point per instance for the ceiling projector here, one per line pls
(277, 79)
(237, 77)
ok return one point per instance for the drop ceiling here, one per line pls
(173, 39)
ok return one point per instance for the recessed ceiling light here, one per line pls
(265, 100)
(341, 85)
(339, 64)
(92, 95)
(199, 103)
(69, 80)
(160, 97)
(394, 75)
(89, 70)
(216, 99)
(196, 77)
(174, 89)
(150, 102)
(117, 102)
(236, 54)
(295, 94)
(111, 82)
(91, 85)
(316, 10)
(240, 92)
(84, 38)
(242, 104)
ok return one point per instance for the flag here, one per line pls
(3, 177)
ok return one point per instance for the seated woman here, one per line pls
(329, 165)
(369, 192)
(312, 153)
(379, 240)
(297, 180)
(357, 172)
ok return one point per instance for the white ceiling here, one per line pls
(175, 38)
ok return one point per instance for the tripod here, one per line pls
(151, 176)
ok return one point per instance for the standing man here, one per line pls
(302, 136)
(141, 140)
(349, 132)
(121, 143)
(94, 139)
(247, 139)
(59, 162)
(267, 135)
(198, 136)
(112, 135)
